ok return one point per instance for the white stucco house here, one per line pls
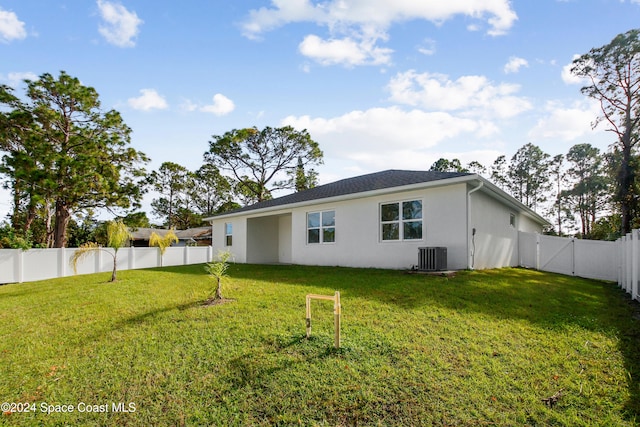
(381, 220)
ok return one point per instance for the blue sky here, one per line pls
(379, 84)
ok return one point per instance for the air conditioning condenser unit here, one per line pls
(432, 258)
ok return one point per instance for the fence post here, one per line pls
(619, 249)
(537, 251)
(98, 261)
(629, 255)
(19, 265)
(61, 263)
(635, 251)
(625, 258)
(573, 256)
(132, 257)
(185, 258)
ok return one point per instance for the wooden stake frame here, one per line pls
(337, 311)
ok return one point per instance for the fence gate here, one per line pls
(557, 255)
(593, 259)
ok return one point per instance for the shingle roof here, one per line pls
(359, 184)
(143, 233)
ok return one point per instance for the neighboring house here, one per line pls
(381, 220)
(199, 236)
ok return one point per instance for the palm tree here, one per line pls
(217, 269)
(118, 236)
(163, 242)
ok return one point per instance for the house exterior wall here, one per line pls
(281, 236)
(528, 225)
(238, 249)
(495, 243)
(358, 242)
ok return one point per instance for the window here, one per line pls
(401, 220)
(321, 227)
(512, 220)
(228, 234)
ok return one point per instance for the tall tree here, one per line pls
(305, 180)
(80, 155)
(446, 165)
(589, 189)
(558, 180)
(23, 166)
(613, 75)
(214, 190)
(528, 175)
(498, 172)
(135, 220)
(477, 168)
(170, 181)
(263, 160)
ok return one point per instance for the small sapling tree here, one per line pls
(118, 235)
(217, 269)
(163, 242)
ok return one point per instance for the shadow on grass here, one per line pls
(252, 369)
(551, 301)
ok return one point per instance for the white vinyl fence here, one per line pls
(617, 261)
(41, 264)
(629, 255)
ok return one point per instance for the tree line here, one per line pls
(573, 190)
(64, 157)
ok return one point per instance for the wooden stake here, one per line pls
(308, 316)
(337, 311)
(336, 315)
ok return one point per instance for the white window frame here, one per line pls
(512, 220)
(321, 227)
(401, 221)
(228, 234)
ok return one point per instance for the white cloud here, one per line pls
(265, 19)
(388, 137)
(188, 106)
(337, 14)
(15, 79)
(356, 26)
(346, 51)
(470, 95)
(569, 78)
(149, 100)
(514, 64)
(473, 27)
(120, 25)
(566, 123)
(11, 28)
(221, 105)
(428, 47)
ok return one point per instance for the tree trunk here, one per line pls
(48, 224)
(218, 290)
(15, 216)
(113, 273)
(62, 221)
(625, 191)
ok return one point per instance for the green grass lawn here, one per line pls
(482, 348)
